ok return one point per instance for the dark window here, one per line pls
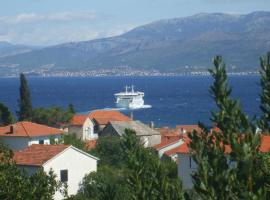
(64, 175)
(41, 142)
(192, 163)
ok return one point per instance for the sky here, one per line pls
(50, 22)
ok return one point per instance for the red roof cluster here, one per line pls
(28, 129)
(37, 154)
(103, 117)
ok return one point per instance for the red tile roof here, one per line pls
(37, 154)
(78, 120)
(183, 148)
(166, 143)
(265, 144)
(103, 117)
(188, 128)
(264, 147)
(28, 129)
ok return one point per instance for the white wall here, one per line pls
(20, 143)
(185, 170)
(85, 132)
(88, 130)
(77, 164)
(16, 143)
(46, 139)
(169, 147)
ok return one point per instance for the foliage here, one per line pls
(226, 160)
(44, 185)
(25, 104)
(147, 177)
(108, 150)
(17, 184)
(6, 117)
(53, 116)
(71, 139)
(71, 108)
(134, 172)
(265, 96)
(107, 183)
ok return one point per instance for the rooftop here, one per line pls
(103, 117)
(37, 154)
(137, 126)
(28, 129)
(78, 120)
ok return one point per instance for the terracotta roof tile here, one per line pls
(28, 129)
(188, 128)
(183, 148)
(78, 120)
(103, 117)
(37, 154)
(166, 143)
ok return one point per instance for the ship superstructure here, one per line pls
(129, 99)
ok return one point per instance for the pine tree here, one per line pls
(265, 96)
(6, 117)
(25, 104)
(71, 108)
(216, 177)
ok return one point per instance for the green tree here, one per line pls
(133, 172)
(71, 139)
(147, 178)
(25, 103)
(108, 150)
(6, 116)
(265, 96)
(226, 160)
(53, 116)
(17, 184)
(106, 184)
(71, 108)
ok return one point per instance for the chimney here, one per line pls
(11, 129)
(131, 115)
(151, 125)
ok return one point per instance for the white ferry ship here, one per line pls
(129, 99)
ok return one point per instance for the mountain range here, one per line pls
(178, 45)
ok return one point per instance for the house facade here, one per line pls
(83, 127)
(186, 165)
(69, 164)
(20, 135)
(88, 126)
(148, 136)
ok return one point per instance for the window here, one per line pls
(64, 175)
(41, 141)
(192, 163)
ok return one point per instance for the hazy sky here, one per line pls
(47, 22)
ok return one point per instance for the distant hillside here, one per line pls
(172, 45)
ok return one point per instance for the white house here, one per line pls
(168, 145)
(88, 126)
(83, 127)
(186, 165)
(23, 134)
(68, 163)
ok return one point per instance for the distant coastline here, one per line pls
(108, 73)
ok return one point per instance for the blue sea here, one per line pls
(173, 100)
